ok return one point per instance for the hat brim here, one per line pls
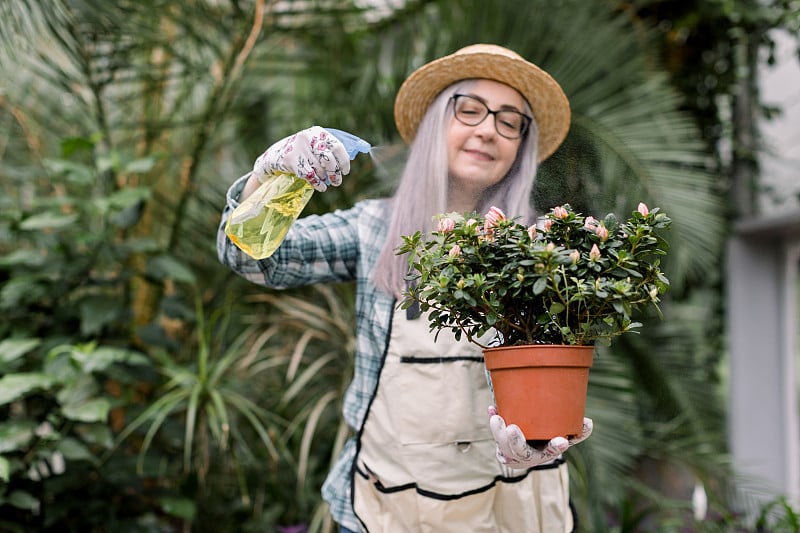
(547, 100)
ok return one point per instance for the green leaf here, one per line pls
(74, 450)
(97, 434)
(23, 258)
(167, 267)
(11, 349)
(141, 245)
(539, 285)
(48, 220)
(109, 161)
(72, 145)
(96, 311)
(22, 500)
(183, 508)
(16, 386)
(74, 172)
(101, 358)
(141, 165)
(94, 410)
(128, 197)
(21, 289)
(15, 436)
(5, 469)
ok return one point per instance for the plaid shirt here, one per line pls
(338, 246)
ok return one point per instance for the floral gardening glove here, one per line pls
(514, 451)
(313, 154)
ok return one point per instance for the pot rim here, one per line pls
(547, 355)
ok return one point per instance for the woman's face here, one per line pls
(479, 157)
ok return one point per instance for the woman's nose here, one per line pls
(486, 128)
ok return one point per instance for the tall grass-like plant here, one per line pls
(312, 335)
(213, 396)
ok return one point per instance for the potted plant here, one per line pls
(553, 289)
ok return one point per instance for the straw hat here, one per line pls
(542, 92)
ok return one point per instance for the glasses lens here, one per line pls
(509, 123)
(470, 111)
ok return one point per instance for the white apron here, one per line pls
(426, 460)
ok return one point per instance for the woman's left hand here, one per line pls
(513, 449)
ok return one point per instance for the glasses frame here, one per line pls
(526, 123)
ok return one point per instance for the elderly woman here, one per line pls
(424, 457)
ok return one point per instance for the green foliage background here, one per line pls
(145, 388)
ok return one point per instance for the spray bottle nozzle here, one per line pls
(352, 144)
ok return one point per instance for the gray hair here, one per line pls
(422, 192)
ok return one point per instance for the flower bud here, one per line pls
(532, 232)
(460, 284)
(594, 253)
(550, 246)
(575, 256)
(494, 216)
(548, 223)
(560, 213)
(454, 251)
(642, 208)
(654, 294)
(446, 224)
(491, 219)
(602, 232)
(590, 223)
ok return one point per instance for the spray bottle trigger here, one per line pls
(352, 144)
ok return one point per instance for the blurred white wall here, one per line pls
(763, 296)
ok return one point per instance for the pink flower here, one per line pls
(494, 216)
(548, 223)
(532, 232)
(594, 253)
(590, 223)
(471, 222)
(446, 225)
(602, 232)
(455, 251)
(642, 208)
(560, 213)
(495, 213)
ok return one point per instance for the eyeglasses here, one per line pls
(472, 111)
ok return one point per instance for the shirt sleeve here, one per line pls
(317, 249)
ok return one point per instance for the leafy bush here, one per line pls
(575, 280)
(71, 358)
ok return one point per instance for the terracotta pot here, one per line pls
(541, 388)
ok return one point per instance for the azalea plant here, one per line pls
(571, 279)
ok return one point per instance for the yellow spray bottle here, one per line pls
(260, 223)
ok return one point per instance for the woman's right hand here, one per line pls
(513, 449)
(313, 154)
